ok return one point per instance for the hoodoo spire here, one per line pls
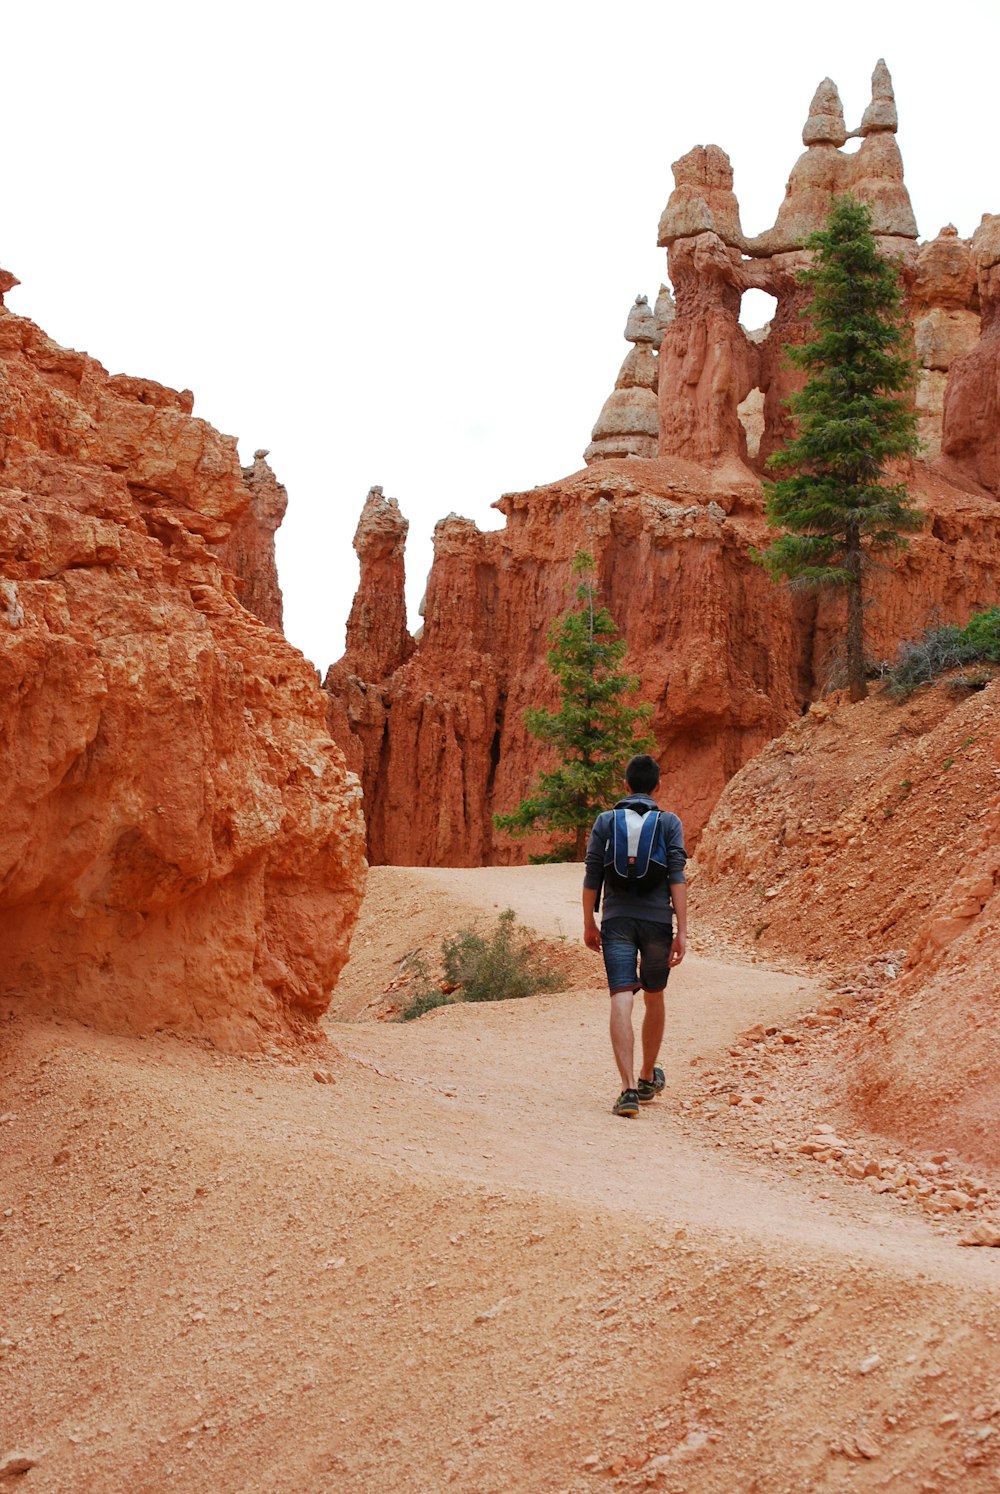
(825, 125)
(881, 112)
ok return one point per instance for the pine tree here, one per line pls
(593, 730)
(853, 418)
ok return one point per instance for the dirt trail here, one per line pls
(500, 1081)
(454, 1268)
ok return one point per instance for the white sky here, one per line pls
(396, 243)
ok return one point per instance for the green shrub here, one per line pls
(500, 965)
(496, 966)
(424, 994)
(943, 648)
(982, 633)
(424, 1001)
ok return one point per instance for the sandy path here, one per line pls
(521, 1095)
(454, 1268)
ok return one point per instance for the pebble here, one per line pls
(867, 1365)
(982, 1234)
(866, 1445)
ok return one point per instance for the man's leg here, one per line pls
(622, 1036)
(655, 941)
(653, 1022)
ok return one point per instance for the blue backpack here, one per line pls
(635, 859)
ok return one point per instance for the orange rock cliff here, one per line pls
(181, 845)
(670, 503)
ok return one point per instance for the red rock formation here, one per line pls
(778, 276)
(703, 200)
(628, 423)
(378, 640)
(971, 438)
(815, 179)
(725, 658)
(180, 846)
(707, 364)
(874, 174)
(944, 305)
(249, 550)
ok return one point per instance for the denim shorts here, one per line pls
(626, 942)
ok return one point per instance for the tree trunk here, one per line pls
(582, 837)
(856, 682)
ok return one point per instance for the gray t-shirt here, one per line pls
(654, 906)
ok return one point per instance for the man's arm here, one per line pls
(679, 898)
(591, 933)
(593, 877)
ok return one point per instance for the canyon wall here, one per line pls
(726, 658)
(671, 505)
(181, 845)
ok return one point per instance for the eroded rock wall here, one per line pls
(872, 831)
(726, 659)
(180, 844)
(971, 438)
(248, 550)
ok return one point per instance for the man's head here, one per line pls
(642, 774)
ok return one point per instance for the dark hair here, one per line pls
(642, 774)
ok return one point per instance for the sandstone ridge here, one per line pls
(180, 843)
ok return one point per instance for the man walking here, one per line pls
(636, 934)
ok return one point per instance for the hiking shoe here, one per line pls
(627, 1103)
(648, 1089)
